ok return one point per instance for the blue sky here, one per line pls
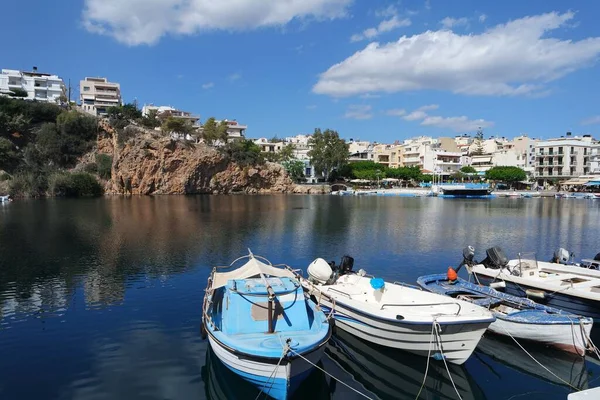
(374, 70)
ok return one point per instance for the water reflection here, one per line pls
(104, 287)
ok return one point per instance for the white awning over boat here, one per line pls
(253, 268)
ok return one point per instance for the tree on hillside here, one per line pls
(8, 155)
(18, 92)
(328, 152)
(508, 175)
(222, 129)
(209, 131)
(243, 152)
(478, 143)
(179, 126)
(295, 169)
(467, 169)
(287, 153)
(151, 120)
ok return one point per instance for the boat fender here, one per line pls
(438, 357)
(377, 283)
(536, 294)
(203, 333)
(452, 276)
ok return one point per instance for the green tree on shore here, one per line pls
(328, 152)
(467, 169)
(178, 126)
(508, 175)
(295, 169)
(479, 149)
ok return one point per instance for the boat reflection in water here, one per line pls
(395, 374)
(568, 367)
(221, 383)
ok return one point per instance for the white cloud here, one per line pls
(457, 124)
(311, 107)
(136, 22)
(208, 85)
(591, 120)
(482, 18)
(234, 77)
(369, 96)
(358, 111)
(389, 11)
(450, 22)
(396, 112)
(384, 26)
(516, 58)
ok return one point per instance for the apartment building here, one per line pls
(360, 150)
(565, 157)
(97, 95)
(235, 130)
(524, 149)
(39, 86)
(168, 111)
(267, 146)
(301, 149)
(390, 155)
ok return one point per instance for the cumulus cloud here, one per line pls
(516, 58)
(208, 85)
(136, 22)
(457, 124)
(358, 111)
(450, 22)
(384, 26)
(591, 120)
(396, 112)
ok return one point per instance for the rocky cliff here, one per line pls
(148, 163)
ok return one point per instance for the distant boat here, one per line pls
(566, 287)
(474, 191)
(394, 314)
(393, 374)
(261, 325)
(4, 199)
(518, 317)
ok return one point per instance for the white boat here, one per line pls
(260, 324)
(4, 199)
(395, 314)
(566, 287)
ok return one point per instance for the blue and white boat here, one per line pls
(4, 199)
(262, 326)
(518, 317)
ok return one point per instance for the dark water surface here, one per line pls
(101, 299)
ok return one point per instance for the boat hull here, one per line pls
(572, 304)
(568, 337)
(458, 340)
(278, 381)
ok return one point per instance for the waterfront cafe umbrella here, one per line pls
(390, 180)
(359, 181)
(575, 182)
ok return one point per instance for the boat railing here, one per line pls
(422, 305)
(340, 292)
(408, 285)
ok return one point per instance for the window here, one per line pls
(86, 88)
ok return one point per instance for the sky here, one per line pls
(370, 69)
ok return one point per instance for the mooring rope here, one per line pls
(272, 376)
(439, 339)
(428, 359)
(331, 376)
(539, 363)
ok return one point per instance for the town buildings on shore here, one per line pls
(39, 86)
(168, 111)
(97, 95)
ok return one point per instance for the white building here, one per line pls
(301, 149)
(441, 162)
(267, 146)
(171, 112)
(39, 86)
(524, 149)
(360, 150)
(97, 95)
(565, 157)
(235, 131)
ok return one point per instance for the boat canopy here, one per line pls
(252, 268)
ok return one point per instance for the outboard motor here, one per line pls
(495, 259)
(319, 271)
(561, 256)
(597, 258)
(468, 257)
(346, 265)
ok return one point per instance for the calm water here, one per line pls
(100, 299)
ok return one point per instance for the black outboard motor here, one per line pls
(495, 259)
(346, 265)
(597, 258)
(468, 257)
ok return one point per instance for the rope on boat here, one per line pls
(272, 376)
(435, 328)
(539, 363)
(331, 376)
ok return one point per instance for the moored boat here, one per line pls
(518, 317)
(395, 314)
(4, 199)
(261, 325)
(566, 287)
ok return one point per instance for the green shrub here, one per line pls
(78, 184)
(243, 152)
(4, 176)
(104, 163)
(28, 184)
(91, 168)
